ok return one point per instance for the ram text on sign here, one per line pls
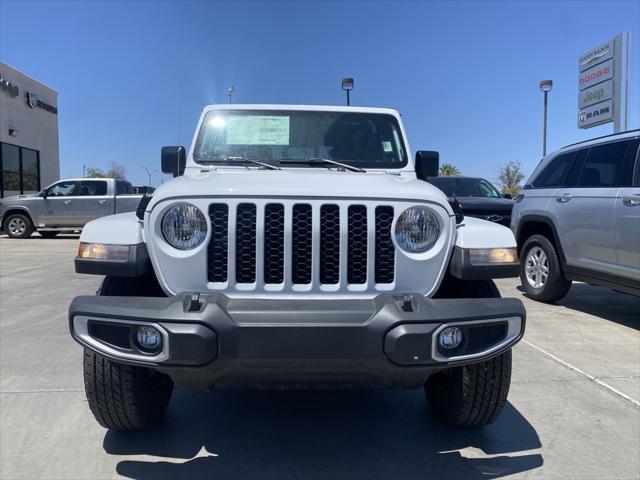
(596, 114)
(598, 93)
(596, 55)
(597, 74)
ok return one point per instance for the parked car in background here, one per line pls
(477, 198)
(66, 205)
(578, 218)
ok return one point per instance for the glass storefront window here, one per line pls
(30, 182)
(10, 170)
(19, 170)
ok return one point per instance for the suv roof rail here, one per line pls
(603, 136)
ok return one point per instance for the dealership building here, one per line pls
(29, 150)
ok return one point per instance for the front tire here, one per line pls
(540, 273)
(470, 395)
(125, 397)
(18, 225)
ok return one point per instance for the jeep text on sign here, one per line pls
(595, 75)
(596, 114)
(598, 93)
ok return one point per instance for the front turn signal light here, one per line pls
(101, 251)
(493, 256)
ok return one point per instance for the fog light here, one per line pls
(450, 338)
(148, 338)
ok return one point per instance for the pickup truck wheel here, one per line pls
(540, 273)
(48, 233)
(123, 397)
(471, 395)
(18, 225)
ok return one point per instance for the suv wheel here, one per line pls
(124, 397)
(540, 272)
(470, 395)
(18, 225)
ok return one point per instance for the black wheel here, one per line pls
(145, 286)
(18, 225)
(540, 273)
(471, 395)
(125, 397)
(48, 233)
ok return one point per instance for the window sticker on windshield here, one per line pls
(386, 146)
(258, 130)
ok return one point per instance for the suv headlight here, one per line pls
(417, 229)
(184, 226)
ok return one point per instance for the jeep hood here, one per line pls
(299, 183)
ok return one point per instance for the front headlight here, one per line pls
(184, 226)
(417, 229)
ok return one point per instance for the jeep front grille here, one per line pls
(300, 245)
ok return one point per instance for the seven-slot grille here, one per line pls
(275, 245)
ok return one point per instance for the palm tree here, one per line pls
(449, 170)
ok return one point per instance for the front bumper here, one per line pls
(215, 341)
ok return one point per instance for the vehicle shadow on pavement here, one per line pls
(603, 303)
(364, 434)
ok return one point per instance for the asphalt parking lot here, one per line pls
(573, 412)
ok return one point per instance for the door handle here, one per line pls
(564, 198)
(631, 199)
(67, 202)
(102, 202)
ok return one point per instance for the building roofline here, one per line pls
(29, 76)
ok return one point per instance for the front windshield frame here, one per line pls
(399, 150)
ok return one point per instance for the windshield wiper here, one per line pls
(323, 161)
(231, 158)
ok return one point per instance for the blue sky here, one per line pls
(134, 76)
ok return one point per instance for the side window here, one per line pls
(62, 189)
(554, 174)
(92, 188)
(607, 166)
(123, 188)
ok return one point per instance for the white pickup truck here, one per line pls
(66, 205)
(298, 247)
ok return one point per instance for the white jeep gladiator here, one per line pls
(298, 247)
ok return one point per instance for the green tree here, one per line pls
(449, 170)
(509, 177)
(92, 172)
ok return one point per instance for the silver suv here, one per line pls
(578, 218)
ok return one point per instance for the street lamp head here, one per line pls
(545, 85)
(347, 84)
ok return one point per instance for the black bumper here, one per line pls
(390, 340)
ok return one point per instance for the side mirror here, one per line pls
(427, 164)
(173, 160)
(507, 195)
(43, 194)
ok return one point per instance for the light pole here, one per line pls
(347, 86)
(230, 93)
(148, 173)
(545, 87)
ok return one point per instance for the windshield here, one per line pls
(365, 140)
(465, 187)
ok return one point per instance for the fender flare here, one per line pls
(547, 221)
(14, 209)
